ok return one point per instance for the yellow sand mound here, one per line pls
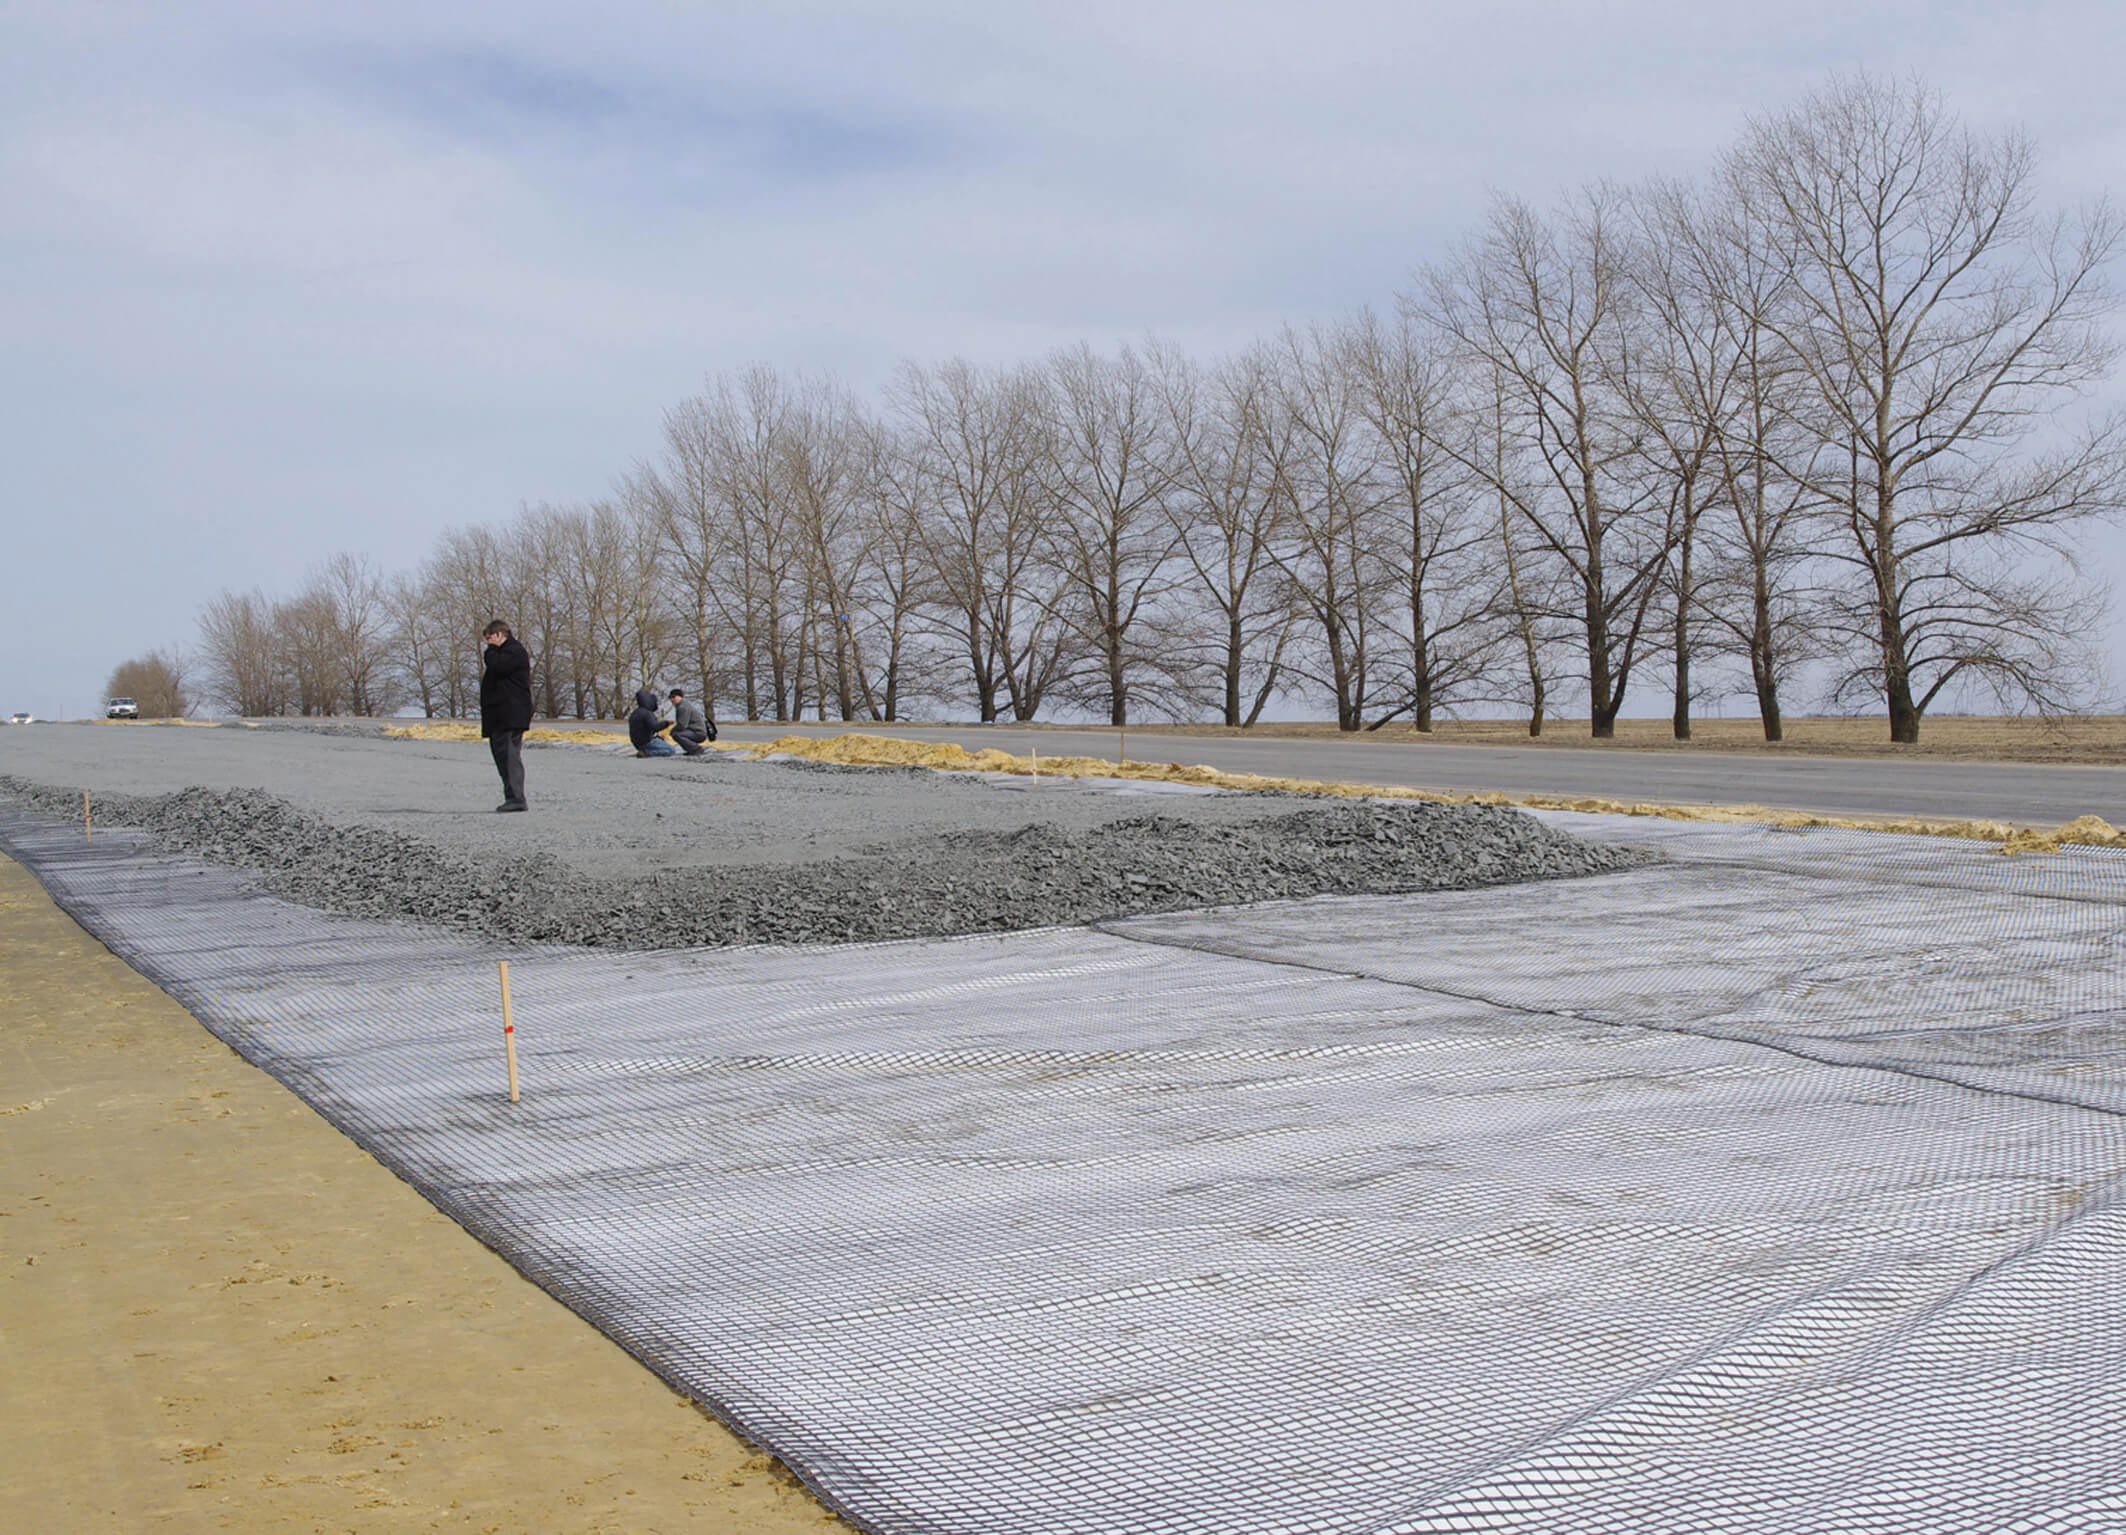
(860, 750)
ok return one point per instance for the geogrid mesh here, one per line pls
(1772, 1189)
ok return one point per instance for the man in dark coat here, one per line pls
(646, 727)
(506, 708)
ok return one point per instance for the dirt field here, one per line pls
(220, 1314)
(2092, 739)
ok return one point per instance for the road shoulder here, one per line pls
(217, 1312)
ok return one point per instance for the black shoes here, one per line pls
(510, 804)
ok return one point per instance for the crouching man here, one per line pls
(691, 725)
(645, 727)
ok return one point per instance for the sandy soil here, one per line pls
(217, 1313)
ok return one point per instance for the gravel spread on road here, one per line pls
(626, 853)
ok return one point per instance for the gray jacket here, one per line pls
(688, 715)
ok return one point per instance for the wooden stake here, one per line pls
(509, 1033)
(1121, 747)
(88, 830)
(1036, 764)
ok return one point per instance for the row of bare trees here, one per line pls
(1816, 415)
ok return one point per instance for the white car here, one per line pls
(122, 709)
(24, 718)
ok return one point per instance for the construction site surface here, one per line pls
(1599, 1166)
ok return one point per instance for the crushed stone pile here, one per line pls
(971, 881)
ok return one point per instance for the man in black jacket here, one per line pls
(506, 708)
(646, 727)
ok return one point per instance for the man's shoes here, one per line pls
(510, 804)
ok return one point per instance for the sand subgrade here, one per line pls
(220, 1314)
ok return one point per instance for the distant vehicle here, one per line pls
(22, 719)
(122, 709)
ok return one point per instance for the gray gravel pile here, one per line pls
(952, 882)
(372, 730)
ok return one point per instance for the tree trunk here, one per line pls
(1601, 706)
(1680, 718)
(1768, 703)
(1117, 678)
(1420, 671)
(1347, 706)
(985, 687)
(893, 670)
(1889, 604)
(1904, 714)
(1762, 671)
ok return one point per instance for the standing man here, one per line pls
(690, 725)
(506, 708)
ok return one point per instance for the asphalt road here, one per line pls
(2031, 793)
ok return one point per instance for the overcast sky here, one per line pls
(277, 280)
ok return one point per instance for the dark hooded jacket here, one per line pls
(643, 724)
(505, 688)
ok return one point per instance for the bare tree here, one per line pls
(240, 655)
(354, 595)
(1720, 284)
(899, 485)
(1686, 392)
(1548, 308)
(696, 527)
(477, 577)
(155, 681)
(1325, 476)
(1434, 541)
(1528, 597)
(1941, 321)
(981, 435)
(610, 590)
(1229, 516)
(1109, 538)
(742, 424)
(422, 642)
(824, 465)
(306, 632)
(532, 550)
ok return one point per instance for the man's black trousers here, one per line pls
(508, 747)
